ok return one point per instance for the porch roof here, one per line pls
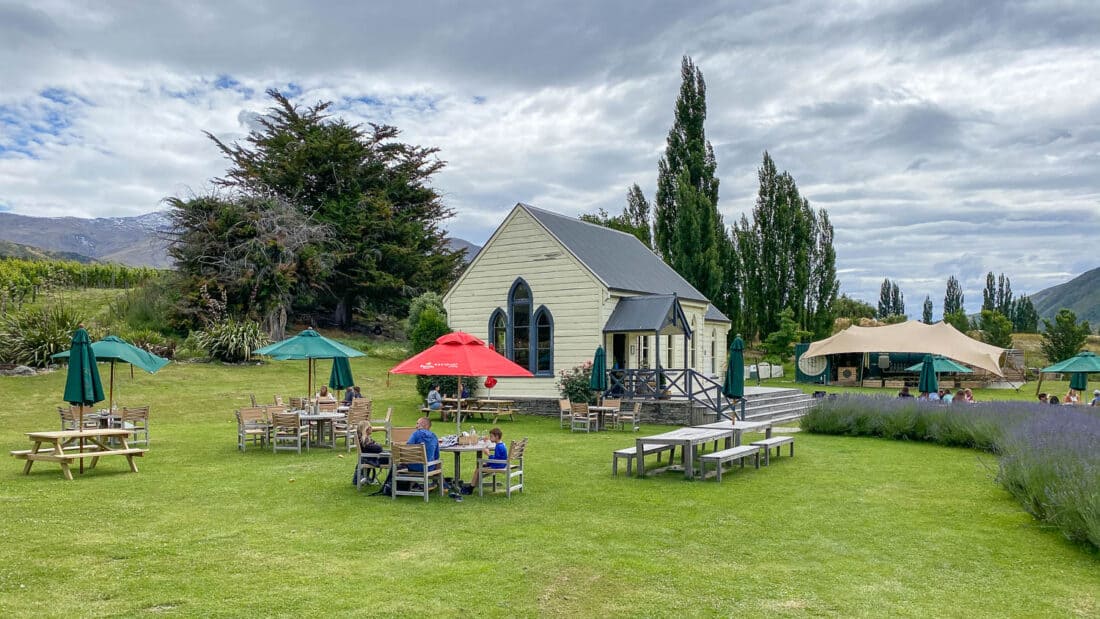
(648, 314)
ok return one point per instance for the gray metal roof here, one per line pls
(715, 315)
(647, 313)
(619, 259)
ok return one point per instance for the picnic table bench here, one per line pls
(630, 453)
(61, 447)
(777, 442)
(728, 455)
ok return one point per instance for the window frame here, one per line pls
(542, 312)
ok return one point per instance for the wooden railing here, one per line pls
(670, 383)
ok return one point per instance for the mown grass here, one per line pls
(849, 527)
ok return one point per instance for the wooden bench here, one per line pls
(777, 442)
(728, 455)
(71, 454)
(630, 453)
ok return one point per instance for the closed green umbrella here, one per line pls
(733, 386)
(82, 384)
(941, 365)
(340, 378)
(928, 382)
(308, 345)
(598, 380)
(1079, 381)
(112, 348)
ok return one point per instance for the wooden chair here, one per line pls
(583, 418)
(271, 411)
(278, 400)
(252, 422)
(632, 416)
(347, 427)
(511, 471)
(370, 464)
(288, 429)
(565, 412)
(299, 404)
(404, 455)
(70, 418)
(399, 436)
(252, 396)
(384, 425)
(326, 407)
(136, 420)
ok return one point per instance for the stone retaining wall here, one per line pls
(667, 412)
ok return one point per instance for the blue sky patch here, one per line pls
(478, 99)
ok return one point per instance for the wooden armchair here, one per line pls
(565, 412)
(278, 400)
(326, 406)
(299, 404)
(510, 469)
(400, 436)
(583, 418)
(411, 465)
(252, 423)
(70, 418)
(136, 420)
(288, 429)
(384, 426)
(346, 427)
(370, 464)
(632, 416)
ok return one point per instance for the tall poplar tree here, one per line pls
(926, 311)
(785, 258)
(688, 230)
(953, 297)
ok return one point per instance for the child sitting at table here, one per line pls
(496, 451)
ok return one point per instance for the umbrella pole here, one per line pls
(458, 409)
(1039, 387)
(80, 428)
(111, 398)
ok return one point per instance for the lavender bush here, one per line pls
(1049, 455)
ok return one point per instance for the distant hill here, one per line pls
(471, 249)
(127, 240)
(132, 241)
(26, 252)
(1080, 294)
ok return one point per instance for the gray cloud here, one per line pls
(942, 137)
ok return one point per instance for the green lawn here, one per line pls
(850, 526)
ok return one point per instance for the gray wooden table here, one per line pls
(687, 439)
(740, 427)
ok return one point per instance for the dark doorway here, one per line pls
(618, 351)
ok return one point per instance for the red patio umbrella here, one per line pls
(460, 354)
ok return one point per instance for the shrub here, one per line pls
(430, 324)
(1049, 455)
(573, 384)
(149, 307)
(152, 341)
(30, 336)
(231, 339)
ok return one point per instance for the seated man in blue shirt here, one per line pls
(424, 435)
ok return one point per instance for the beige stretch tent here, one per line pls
(913, 337)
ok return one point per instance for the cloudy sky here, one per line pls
(944, 138)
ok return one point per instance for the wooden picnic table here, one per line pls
(602, 414)
(61, 447)
(740, 426)
(687, 439)
(495, 407)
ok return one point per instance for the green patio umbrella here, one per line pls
(340, 378)
(1079, 381)
(941, 365)
(308, 345)
(82, 384)
(733, 386)
(928, 382)
(1081, 362)
(598, 380)
(112, 348)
